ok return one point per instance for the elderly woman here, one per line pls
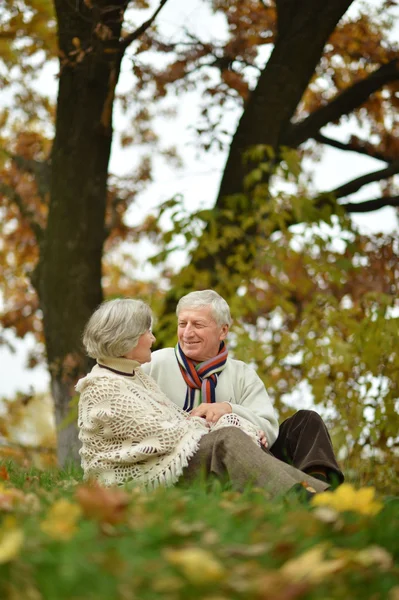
(131, 432)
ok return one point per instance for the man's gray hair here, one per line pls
(219, 306)
(115, 327)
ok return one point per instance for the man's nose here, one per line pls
(189, 329)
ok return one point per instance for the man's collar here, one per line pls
(121, 366)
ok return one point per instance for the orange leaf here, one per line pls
(102, 504)
(4, 473)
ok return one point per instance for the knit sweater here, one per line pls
(238, 384)
(131, 431)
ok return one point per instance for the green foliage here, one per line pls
(60, 540)
(315, 307)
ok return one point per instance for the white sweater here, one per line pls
(238, 384)
(130, 431)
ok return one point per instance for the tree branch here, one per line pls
(370, 205)
(26, 214)
(353, 186)
(342, 104)
(363, 147)
(125, 42)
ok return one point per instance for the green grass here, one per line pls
(202, 542)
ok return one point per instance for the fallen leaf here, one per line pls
(374, 556)
(247, 550)
(4, 473)
(10, 498)
(61, 520)
(185, 529)
(312, 566)
(107, 505)
(11, 541)
(197, 565)
(326, 514)
(347, 498)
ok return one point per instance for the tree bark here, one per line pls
(68, 278)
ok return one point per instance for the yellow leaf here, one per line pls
(197, 565)
(61, 521)
(11, 540)
(9, 498)
(311, 565)
(374, 555)
(347, 498)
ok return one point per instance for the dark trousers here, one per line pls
(304, 442)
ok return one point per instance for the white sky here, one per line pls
(198, 182)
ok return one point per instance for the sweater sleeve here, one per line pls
(253, 403)
(121, 427)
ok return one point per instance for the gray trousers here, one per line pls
(230, 454)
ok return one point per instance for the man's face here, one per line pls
(198, 334)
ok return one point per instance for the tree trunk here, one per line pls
(69, 271)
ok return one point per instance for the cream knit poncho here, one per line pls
(130, 431)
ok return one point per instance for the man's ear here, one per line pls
(224, 332)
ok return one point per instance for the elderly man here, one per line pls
(199, 376)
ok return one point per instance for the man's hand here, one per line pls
(263, 439)
(211, 412)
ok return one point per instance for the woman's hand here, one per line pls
(263, 439)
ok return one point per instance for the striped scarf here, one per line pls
(201, 378)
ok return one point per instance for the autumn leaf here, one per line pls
(11, 540)
(61, 521)
(102, 504)
(197, 565)
(9, 498)
(312, 565)
(371, 556)
(4, 473)
(347, 498)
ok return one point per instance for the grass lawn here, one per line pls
(61, 539)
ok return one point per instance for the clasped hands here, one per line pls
(212, 413)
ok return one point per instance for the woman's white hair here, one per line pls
(115, 327)
(220, 308)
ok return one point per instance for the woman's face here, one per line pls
(142, 351)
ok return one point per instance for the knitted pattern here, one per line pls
(130, 431)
